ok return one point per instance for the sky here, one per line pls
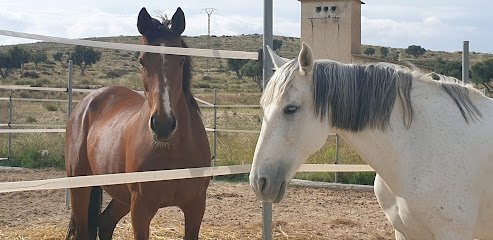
(439, 25)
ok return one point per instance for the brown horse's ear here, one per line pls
(144, 21)
(178, 22)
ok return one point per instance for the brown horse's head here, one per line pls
(166, 77)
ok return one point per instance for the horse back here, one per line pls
(96, 123)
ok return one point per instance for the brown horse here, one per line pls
(115, 130)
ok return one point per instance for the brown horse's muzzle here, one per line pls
(163, 128)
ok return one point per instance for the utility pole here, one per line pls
(209, 12)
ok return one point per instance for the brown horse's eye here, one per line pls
(141, 61)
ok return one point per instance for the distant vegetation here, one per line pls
(44, 64)
(482, 73)
(415, 51)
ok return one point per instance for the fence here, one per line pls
(18, 117)
(140, 176)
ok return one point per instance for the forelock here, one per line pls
(279, 83)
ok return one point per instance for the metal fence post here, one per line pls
(214, 146)
(69, 111)
(10, 127)
(69, 88)
(465, 62)
(337, 157)
(267, 73)
(267, 220)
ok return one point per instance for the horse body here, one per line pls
(433, 157)
(435, 174)
(116, 130)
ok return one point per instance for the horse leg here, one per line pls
(388, 203)
(80, 205)
(194, 212)
(141, 212)
(110, 217)
(399, 236)
(71, 228)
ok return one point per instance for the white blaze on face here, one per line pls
(165, 93)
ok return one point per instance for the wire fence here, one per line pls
(31, 124)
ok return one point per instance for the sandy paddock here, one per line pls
(232, 213)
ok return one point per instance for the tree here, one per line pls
(38, 57)
(235, 65)
(276, 44)
(384, 51)
(58, 56)
(447, 67)
(394, 55)
(84, 57)
(14, 58)
(415, 50)
(18, 57)
(369, 51)
(4, 59)
(253, 69)
(482, 73)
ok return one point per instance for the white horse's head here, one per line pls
(291, 131)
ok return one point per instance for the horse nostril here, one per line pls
(173, 123)
(153, 123)
(263, 184)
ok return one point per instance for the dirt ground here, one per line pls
(232, 213)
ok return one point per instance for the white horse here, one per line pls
(431, 142)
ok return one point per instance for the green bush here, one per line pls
(364, 178)
(33, 158)
(30, 74)
(202, 85)
(31, 120)
(51, 108)
(233, 178)
(116, 73)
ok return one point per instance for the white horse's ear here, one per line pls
(305, 59)
(276, 60)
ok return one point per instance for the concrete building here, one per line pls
(332, 28)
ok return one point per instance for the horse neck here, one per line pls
(382, 149)
(379, 148)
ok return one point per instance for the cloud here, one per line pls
(435, 25)
(431, 32)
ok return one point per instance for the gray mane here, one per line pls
(355, 97)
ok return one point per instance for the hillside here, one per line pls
(122, 68)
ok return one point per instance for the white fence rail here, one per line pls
(136, 47)
(151, 176)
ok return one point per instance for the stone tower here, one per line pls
(332, 28)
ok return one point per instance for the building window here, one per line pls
(318, 9)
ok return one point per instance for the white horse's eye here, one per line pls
(290, 109)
